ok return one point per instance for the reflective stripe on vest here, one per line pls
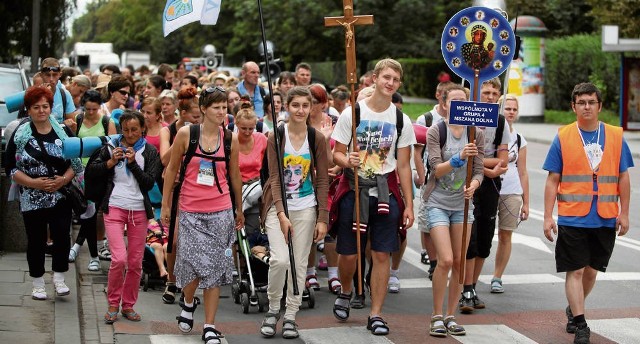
(575, 191)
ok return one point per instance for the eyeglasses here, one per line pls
(210, 90)
(583, 103)
(47, 70)
(123, 92)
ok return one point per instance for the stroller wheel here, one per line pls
(235, 293)
(311, 302)
(244, 301)
(145, 281)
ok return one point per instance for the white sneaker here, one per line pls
(73, 254)
(94, 264)
(38, 293)
(394, 284)
(61, 288)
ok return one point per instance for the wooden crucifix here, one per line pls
(348, 22)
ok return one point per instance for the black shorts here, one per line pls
(485, 202)
(577, 248)
(382, 229)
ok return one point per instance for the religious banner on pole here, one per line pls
(178, 13)
(478, 44)
(478, 40)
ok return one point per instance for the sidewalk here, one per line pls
(24, 320)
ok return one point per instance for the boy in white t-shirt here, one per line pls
(380, 151)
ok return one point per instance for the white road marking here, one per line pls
(178, 339)
(491, 334)
(623, 331)
(351, 335)
(523, 279)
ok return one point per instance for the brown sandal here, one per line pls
(111, 316)
(131, 315)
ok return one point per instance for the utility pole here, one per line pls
(35, 36)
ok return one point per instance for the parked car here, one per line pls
(13, 79)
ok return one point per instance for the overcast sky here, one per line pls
(82, 5)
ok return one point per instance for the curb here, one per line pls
(67, 311)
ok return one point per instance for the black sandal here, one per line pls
(169, 295)
(183, 320)
(377, 326)
(215, 339)
(267, 325)
(289, 329)
(341, 307)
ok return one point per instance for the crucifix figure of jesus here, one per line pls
(347, 21)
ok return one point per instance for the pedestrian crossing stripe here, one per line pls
(351, 335)
(492, 334)
(424, 282)
(621, 331)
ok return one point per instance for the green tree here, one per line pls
(560, 17)
(16, 23)
(624, 13)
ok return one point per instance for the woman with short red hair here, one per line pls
(35, 163)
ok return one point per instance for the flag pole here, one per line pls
(292, 262)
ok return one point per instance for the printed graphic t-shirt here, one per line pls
(376, 138)
(297, 175)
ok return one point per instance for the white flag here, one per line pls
(178, 13)
(210, 12)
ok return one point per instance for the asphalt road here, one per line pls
(530, 311)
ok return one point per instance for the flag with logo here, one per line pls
(178, 13)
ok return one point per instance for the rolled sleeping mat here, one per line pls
(115, 115)
(74, 147)
(15, 102)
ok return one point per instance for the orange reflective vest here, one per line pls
(575, 191)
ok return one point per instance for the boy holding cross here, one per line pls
(378, 151)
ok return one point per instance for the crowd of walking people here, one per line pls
(182, 149)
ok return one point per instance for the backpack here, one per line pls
(194, 136)
(399, 126)
(95, 187)
(311, 139)
(499, 132)
(104, 120)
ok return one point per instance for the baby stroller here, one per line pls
(252, 257)
(150, 271)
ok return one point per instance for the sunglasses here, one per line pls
(124, 93)
(50, 69)
(210, 90)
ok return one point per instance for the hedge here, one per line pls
(579, 58)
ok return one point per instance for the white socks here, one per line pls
(58, 276)
(188, 315)
(38, 282)
(311, 271)
(332, 272)
(394, 273)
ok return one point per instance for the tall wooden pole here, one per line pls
(348, 21)
(472, 137)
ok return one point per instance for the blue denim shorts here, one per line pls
(442, 217)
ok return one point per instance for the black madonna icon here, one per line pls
(478, 39)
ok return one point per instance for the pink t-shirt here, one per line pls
(153, 140)
(199, 192)
(251, 163)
